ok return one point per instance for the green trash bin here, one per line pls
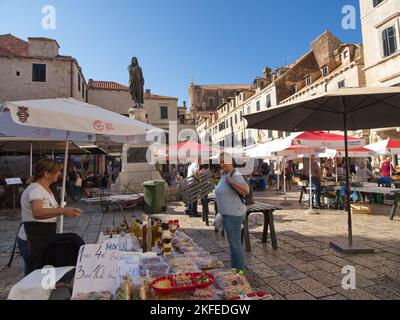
(154, 196)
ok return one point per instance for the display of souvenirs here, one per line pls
(178, 275)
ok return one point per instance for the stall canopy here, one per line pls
(23, 145)
(344, 109)
(297, 141)
(386, 147)
(77, 117)
(187, 151)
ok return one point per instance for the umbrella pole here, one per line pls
(310, 210)
(278, 177)
(336, 174)
(64, 180)
(285, 202)
(348, 205)
(350, 247)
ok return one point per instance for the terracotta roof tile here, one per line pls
(43, 39)
(109, 85)
(151, 96)
(13, 46)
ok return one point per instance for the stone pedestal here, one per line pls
(135, 170)
(138, 114)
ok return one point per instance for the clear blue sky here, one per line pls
(215, 41)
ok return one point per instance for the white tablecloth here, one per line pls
(31, 288)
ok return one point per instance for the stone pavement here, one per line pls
(303, 268)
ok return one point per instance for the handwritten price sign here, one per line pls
(95, 269)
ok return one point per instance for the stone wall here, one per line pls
(16, 79)
(380, 71)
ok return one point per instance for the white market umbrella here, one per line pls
(386, 147)
(73, 116)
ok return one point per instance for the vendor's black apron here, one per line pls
(38, 235)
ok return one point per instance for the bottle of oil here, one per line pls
(144, 235)
(149, 236)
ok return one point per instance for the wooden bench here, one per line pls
(258, 207)
(268, 211)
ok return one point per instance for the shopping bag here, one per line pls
(78, 182)
(218, 221)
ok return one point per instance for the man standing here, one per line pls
(316, 178)
(193, 171)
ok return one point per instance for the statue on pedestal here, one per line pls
(136, 83)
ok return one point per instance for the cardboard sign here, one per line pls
(96, 269)
(13, 181)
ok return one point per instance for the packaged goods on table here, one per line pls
(94, 296)
(138, 290)
(196, 254)
(155, 270)
(192, 248)
(207, 263)
(253, 296)
(209, 293)
(183, 280)
(231, 283)
(182, 265)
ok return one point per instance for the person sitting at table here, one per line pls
(328, 169)
(364, 174)
(88, 184)
(315, 178)
(39, 210)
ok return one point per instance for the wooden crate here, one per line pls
(193, 190)
(360, 209)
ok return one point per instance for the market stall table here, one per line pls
(258, 207)
(377, 190)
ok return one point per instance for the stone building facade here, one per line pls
(329, 65)
(204, 99)
(380, 21)
(34, 69)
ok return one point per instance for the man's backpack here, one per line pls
(248, 199)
